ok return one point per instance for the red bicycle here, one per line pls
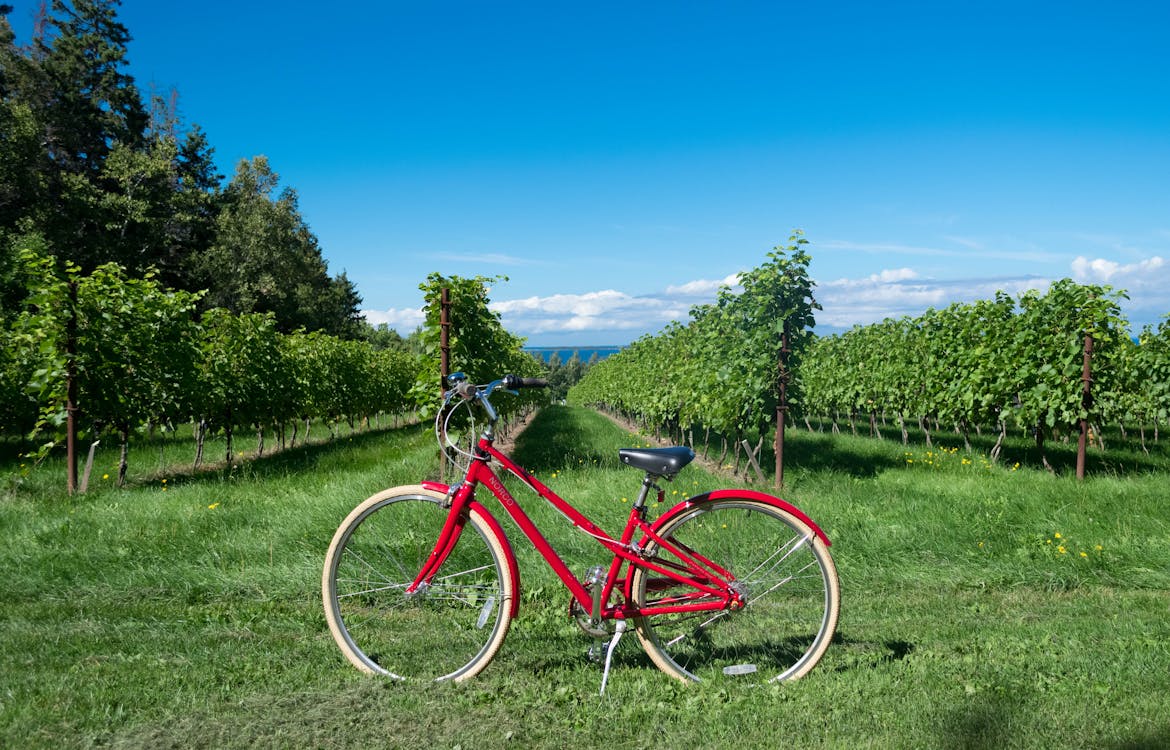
(420, 582)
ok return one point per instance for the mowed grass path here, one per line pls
(982, 607)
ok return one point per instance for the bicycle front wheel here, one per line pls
(782, 570)
(448, 631)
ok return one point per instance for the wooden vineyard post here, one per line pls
(1086, 403)
(444, 361)
(782, 407)
(71, 391)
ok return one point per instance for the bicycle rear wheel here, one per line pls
(782, 569)
(449, 631)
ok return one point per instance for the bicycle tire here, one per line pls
(782, 568)
(449, 632)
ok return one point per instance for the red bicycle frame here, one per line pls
(710, 587)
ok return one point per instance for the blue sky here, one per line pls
(617, 161)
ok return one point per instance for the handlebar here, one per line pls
(466, 390)
(511, 382)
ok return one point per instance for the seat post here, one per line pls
(647, 484)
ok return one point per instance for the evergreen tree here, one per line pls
(20, 136)
(266, 259)
(91, 103)
(87, 108)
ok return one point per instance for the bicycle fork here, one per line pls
(452, 529)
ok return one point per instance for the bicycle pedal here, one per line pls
(596, 652)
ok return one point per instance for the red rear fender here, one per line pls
(746, 495)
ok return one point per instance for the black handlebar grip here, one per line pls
(512, 382)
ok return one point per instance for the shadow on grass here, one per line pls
(817, 453)
(1156, 740)
(1123, 454)
(358, 448)
(821, 452)
(987, 721)
(1000, 718)
(559, 437)
(867, 654)
(865, 456)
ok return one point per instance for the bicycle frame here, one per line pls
(710, 587)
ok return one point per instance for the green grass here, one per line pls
(188, 614)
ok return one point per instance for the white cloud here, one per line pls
(888, 276)
(1146, 283)
(605, 310)
(964, 247)
(883, 248)
(404, 321)
(489, 259)
(893, 293)
(703, 287)
(1112, 272)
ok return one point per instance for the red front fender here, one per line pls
(498, 530)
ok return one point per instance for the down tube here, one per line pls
(481, 473)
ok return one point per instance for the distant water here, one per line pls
(584, 352)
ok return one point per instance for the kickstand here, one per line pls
(619, 628)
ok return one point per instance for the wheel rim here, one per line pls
(446, 632)
(784, 573)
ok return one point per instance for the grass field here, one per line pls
(983, 607)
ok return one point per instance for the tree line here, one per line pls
(92, 172)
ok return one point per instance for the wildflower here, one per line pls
(1084, 554)
(1061, 549)
(213, 506)
(981, 545)
(1098, 548)
(105, 476)
(1056, 535)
